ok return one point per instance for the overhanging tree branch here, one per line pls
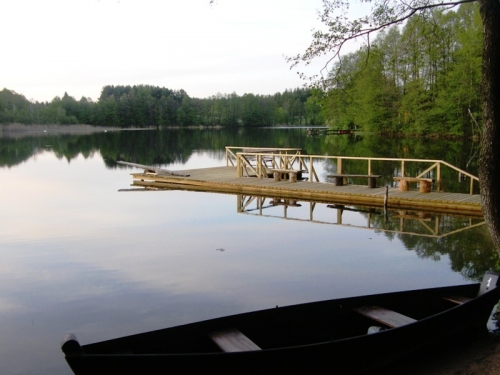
(341, 29)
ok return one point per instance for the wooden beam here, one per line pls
(388, 317)
(232, 340)
(154, 169)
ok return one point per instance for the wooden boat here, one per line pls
(306, 338)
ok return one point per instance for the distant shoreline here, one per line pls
(22, 130)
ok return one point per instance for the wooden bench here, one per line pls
(292, 174)
(387, 317)
(404, 183)
(232, 340)
(338, 179)
(458, 300)
(490, 280)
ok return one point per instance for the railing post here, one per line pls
(239, 169)
(339, 165)
(369, 166)
(311, 169)
(440, 183)
(402, 168)
(471, 186)
(259, 166)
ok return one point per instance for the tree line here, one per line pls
(144, 105)
(424, 77)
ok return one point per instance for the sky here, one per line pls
(51, 47)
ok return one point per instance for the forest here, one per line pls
(422, 77)
(144, 105)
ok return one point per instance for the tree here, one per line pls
(385, 13)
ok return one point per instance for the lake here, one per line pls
(79, 254)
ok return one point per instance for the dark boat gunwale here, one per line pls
(426, 330)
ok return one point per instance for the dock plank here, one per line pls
(224, 179)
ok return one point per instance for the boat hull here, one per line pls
(314, 337)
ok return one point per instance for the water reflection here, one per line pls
(78, 256)
(418, 223)
(464, 238)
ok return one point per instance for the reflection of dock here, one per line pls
(418, 223)
(225, 180)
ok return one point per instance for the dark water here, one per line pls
(77, 255)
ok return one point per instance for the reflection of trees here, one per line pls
(471, 251)
(151, 147)
(15, 151)
(177, 145)
(466, 241)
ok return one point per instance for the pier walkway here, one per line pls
(225, 179)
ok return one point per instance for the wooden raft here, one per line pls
(222, 179)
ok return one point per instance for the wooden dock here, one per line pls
(225, 180)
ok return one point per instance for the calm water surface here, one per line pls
(78, 255)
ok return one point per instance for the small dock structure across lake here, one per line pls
(287, 173)
(327, 131)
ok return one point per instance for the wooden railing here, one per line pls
(260, 160)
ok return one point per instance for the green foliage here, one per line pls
(423, 77)
(143, 106)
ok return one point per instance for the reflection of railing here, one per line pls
(433, 225)
(259, 159)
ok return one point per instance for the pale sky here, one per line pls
(78, 46)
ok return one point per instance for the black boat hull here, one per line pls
(316, 337)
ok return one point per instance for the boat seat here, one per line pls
(232, 340)
(457, 299)
(384, 316)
